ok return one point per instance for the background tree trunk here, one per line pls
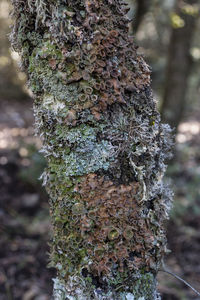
(143, 7)
(179, 62)
(104, 145)
(10, 85)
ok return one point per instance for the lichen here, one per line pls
(104, 144)
(78, 290)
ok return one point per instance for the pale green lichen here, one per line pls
(144, 289)
(52, 104)
(89, 157)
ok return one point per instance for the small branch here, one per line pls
(182, 280)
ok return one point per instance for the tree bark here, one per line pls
(178, 66)
(104, 144)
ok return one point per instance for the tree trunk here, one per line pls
(143, 7)
(104, 145)
(179, 63)
(10, 85)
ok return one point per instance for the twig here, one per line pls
(182, 280)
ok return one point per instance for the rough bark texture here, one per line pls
(179, 63)
(104, 144)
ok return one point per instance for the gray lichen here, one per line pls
(144, 289)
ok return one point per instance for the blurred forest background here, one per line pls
(168, 35)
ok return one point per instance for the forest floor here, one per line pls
(25, 225)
